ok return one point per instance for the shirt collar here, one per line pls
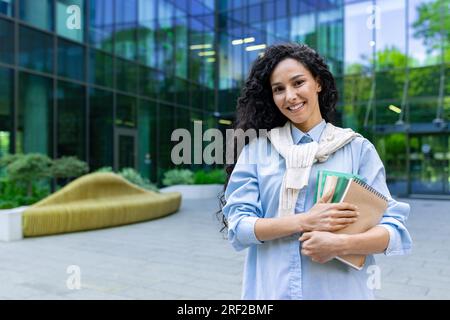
(314, 133)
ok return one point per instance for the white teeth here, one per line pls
(296, 107)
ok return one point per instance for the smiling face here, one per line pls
(296, 93)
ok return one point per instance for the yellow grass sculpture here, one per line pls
(94, 201)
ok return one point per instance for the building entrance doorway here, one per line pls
(125, 146)
(429, 161)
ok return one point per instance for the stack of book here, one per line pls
(353, 189)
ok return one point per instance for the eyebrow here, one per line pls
(293, 78)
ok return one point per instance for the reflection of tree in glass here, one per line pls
(433, 24)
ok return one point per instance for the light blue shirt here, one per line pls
(276, 269)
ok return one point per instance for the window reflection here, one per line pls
(6, 108)
(71, 60)
(35, 114)
(7, 41)
(7, 7)
(35, 50)
(101, 25)
(100, 129)
(126, 27)
(38, 13)
(71, 124)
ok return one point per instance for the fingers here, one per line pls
(345, 214)
(345, 206)
(338, 227)
(305, 236)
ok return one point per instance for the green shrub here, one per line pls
(134, 177)
(104, 169)
(216, 176)
(68, 167)
(29, 168)
(8, 159)
(14, 194)
(178, 176)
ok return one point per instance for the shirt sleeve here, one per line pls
(243, 205)
(394, 219)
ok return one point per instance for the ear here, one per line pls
(319, 85)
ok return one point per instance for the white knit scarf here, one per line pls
(300, 158)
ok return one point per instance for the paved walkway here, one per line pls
(183, 256)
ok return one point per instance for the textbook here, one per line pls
(353, 189)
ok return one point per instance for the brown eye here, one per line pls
(297, 83)
(277, 89)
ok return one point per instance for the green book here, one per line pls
(332, 179)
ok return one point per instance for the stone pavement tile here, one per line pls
(215, 285)
(189, 291)
(19, 291)
(91, 295)
(226, 296)
(439, 293)
(147, 293)
(401, 291)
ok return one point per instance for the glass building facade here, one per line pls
(109, 80)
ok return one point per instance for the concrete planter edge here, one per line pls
(11, 224)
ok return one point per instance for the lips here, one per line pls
(296, 107)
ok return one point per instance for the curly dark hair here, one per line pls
(255, 106)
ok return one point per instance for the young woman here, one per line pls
(269, 207)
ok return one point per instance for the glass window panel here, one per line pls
(126, 111)
(6, 109)
(100, 129)
(71, 60)
(101, 68)
(390, 84)
(127, 76)
(393, 153)
(165, 38)
(126, 28)
(384, 115)
(35, 50)
(181, 91)
(35, 115)
(71, 122)
(7, 41)
(147, 127)
(358, 29)
(255, 13)
(181, 50)
(167, 88)
(330, 38)
(38, 13)
(422, 109)
(7, 7)
(166, 125)
(70, 17)
(424, 81)
(149, 80)
(303, 27)
(429, 23)
(196, 35)
(224, 61)
(101, 25)
(147, 32)
(390, 35)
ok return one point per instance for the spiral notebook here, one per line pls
(371, 205)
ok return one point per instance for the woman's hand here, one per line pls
(322, 246)
(324, 216)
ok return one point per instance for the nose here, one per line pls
(291, 95)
